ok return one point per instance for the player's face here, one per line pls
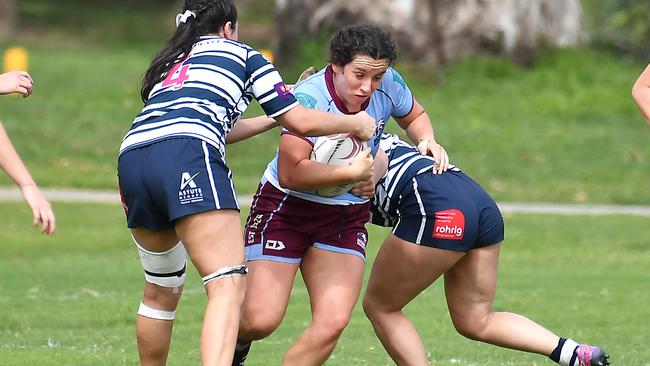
(356, 81)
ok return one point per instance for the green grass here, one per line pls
(563, 131)
(71, 299)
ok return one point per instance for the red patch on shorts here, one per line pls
(449, 224)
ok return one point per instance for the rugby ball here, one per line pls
(336, 150)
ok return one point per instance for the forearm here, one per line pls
(309, 174)
(11, 163)
(311, 122)
(249, 127)
(379, 167)
(420, 129)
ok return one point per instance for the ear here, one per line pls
(338, 69)
(228, 30)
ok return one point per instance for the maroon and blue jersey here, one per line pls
(392, 98)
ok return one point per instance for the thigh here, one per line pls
(268, 289)
(470, 285)
(402, 270)
(333, 282)
(213, 239)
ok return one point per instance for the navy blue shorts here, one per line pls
(173, 178)
(448, 211)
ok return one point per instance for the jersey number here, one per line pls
(176, 76)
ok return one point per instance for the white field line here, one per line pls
(12, 194)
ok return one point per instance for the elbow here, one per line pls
(286, 181)
(299, 128)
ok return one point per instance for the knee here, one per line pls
(370, 308)
(471, 326)
(257, 326)
(331, 327)
(159, 297)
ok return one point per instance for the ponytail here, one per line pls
(207, 16)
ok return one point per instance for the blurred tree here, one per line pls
(8, 18)
(439, 30)
(622, 24)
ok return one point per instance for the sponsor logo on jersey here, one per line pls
(306, 100)
(189, 192)
(282, 90)
(449, 224)
(362, 240)
(274, 245)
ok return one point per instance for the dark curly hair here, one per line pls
(211, 15)
(368, 40)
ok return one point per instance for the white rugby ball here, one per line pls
(336, 150)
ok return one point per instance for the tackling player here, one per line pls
(177, 190)
(446, 224)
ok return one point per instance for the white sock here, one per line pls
(567, 352)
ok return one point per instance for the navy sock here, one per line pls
(555, 355)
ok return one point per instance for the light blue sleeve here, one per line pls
(399, 93)
(310, 94)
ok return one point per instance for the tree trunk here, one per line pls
(440, 31)
(8, 18)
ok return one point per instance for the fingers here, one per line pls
(44, 217)
(16, 82)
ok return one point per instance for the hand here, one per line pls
(364, 190)
(362, 166)
(16, 82)
(366, 126)
(41, 208)
(428, 147)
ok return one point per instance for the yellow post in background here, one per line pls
(268, 54)
(16, 59)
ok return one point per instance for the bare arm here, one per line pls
(641, 93)
(417, 125)
(312, 122)
(14, 167)
(297, 171)
(249, 127)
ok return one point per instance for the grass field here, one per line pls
(71, 299)
(564, 131)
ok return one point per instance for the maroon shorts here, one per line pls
(281, 227)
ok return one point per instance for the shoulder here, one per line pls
(392, 80)
(312, 92)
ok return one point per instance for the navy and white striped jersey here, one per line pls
(203, 95)
(404, 163)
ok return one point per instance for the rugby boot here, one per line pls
(590, 356)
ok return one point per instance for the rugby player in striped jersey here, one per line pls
(446, 224)
(176, 188)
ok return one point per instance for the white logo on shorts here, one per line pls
(274, 244)
(186, 180)
(362, 240)
(189, 192)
